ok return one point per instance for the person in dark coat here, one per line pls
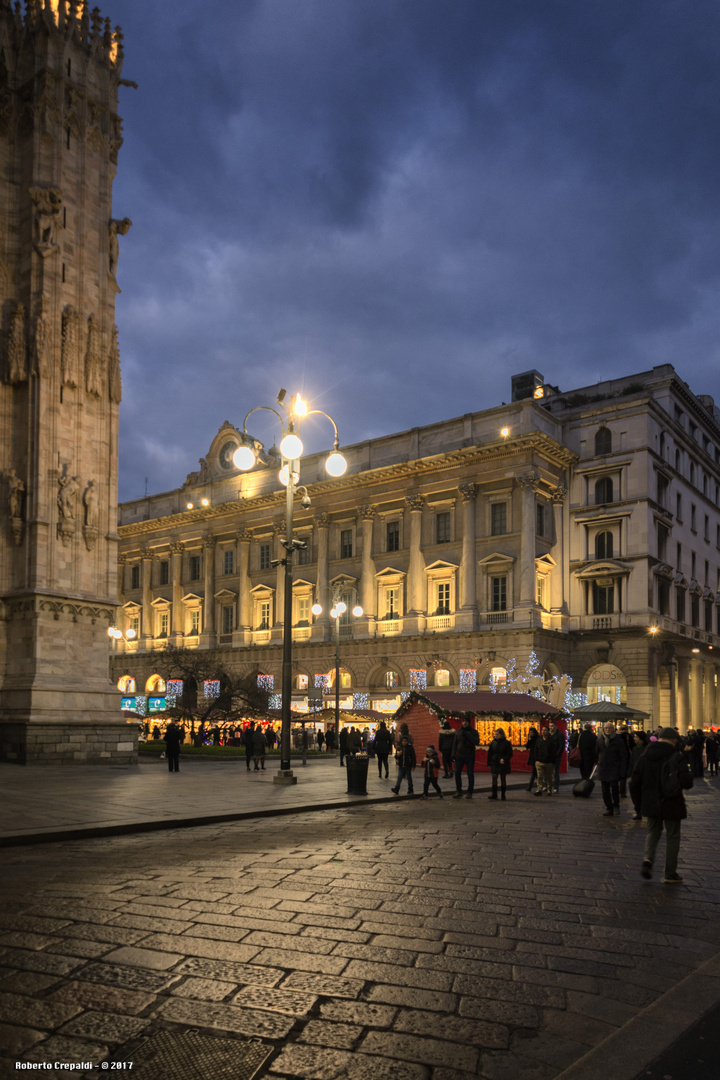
(641, 743)
(465, 744)
(544, 761)
(405, 757)
(172, 742)
(383, 746)
(445, 745)
(626, 736)
(695, 746)
(612, 762)
(712, 753)
(531, 748)
(330, 739)
(500, 752)
(247, 741)
(320, 739)
(344, 740)
(586, 745)
(259, 747)
(659, 808)
(557, 740)
(431, 766)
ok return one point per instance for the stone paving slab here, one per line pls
(451, 978)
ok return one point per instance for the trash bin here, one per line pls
(357, 770)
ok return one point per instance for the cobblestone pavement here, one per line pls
(390, 942)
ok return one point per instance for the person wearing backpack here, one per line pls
(656, 786)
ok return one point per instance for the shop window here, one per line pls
(442, 677)
(392, 680)
(301, 682)
(603, 441)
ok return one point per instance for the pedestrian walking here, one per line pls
(712, 753)
(557, 740)
(247, 741)
(530, 746)
(640, 740)
(626, 736)
(445, 746)
(404, 730)
(465, 745)
(259, 747)
(657, 784)
(431, 765)
(544, 761)
(344, 740)
(320, 739)
(586, 745)
(383, 746)
(611, 754)
(172, 746)
(500, 752)
(406, 762)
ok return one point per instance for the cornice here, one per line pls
(537, 442)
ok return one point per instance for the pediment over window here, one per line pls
(161, 603)
(664, 571)
(226, 594)
(545, 563)
(681, 581)
(261, 591)
(496, 558)
(602, 568)
(389, 576)
(441, 567)
(302, 584)
(192, 598)
(695, 588)
(131, 608)
(345, 579)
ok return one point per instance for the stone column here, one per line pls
(710, 695)
(320, 629)
(177, 619)
(527, 483)
(697, 711)
(244, 537)
(683, 694)
(414, 621)
(558, 600)
(147, 610)
(209, 613)
(673, 675)
(365, 627)
(466, 617)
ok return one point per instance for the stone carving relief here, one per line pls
(114, 377)
(48, 202)
(16, 499)
(529, 480)
(468, 492)
(41, 338)
(16, 367)
(94, 360)
(70, 359)
(414, 502)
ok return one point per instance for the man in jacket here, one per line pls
(172, 743)
(383, 746)
(612, 762)
(406, 761)
(445, 745)
(464, 746)
(557, 742)
(660, 808)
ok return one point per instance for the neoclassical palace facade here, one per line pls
(580, 526)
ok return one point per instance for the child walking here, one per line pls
(431, 763)
(405, 757)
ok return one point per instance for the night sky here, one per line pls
(394, 206)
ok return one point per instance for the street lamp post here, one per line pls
(339, 590)
(291, 448)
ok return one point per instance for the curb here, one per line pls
(626, 1053)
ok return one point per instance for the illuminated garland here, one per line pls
(141, 705)
(361, 701)
(418, 679)
(211, 688)
(174, 686)
(266, 682)
(275, 700)
(468, 680)
(323, 681)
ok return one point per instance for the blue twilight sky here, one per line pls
(394, 205)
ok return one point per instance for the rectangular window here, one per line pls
(498, 519)
(695, 611)
(678, 507)
(498, 593)
(195, 621)
(135, 577)
(707, 527)
(603, 599)
(393, 535)
(303, 553)
(662, 539)
(164, 623)
(164, 573)
(442, 528)
(264, 556)
(540, 583)
(663, 597)
(680, 604)
(134, 624)
(693, 525)
(229, 561)
(264, 613)
(194, 567)
(693, 564)
(303, 611)
(540, 519)
(443, 599)
(392, 597)
(228, 620)
(707, 572)
(678, 557)
(346, 543)
(708, 616)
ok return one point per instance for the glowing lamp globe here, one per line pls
(342, 608)
(336, 464)
(334, 613)
(357, 611)
(130, 633)
(291, 447)
(244, 458)
(316, 609)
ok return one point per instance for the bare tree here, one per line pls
(238, 696)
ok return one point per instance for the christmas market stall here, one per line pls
(515, 713)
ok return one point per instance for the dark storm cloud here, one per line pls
(398, 205)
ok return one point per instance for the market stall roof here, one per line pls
(608, 710)
(479, 703)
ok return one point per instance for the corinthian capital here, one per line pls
(414, 502)
(559, 495)
(321, 521)
(468, 491)
(366, 513)
(528, 481)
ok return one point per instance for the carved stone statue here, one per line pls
(115, 228)
(94, 360)
(47, 210)
(114, 377)
(90, 502)
(204, 470)
(17, 347)
(15, 494)
(42, 341)
(66, 496)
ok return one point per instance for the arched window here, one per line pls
(301, 682)
(155, 685)
(604, 545)
(604, 490)
(126, 684)
(603, 441)
(392, 680)
(442, 677)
